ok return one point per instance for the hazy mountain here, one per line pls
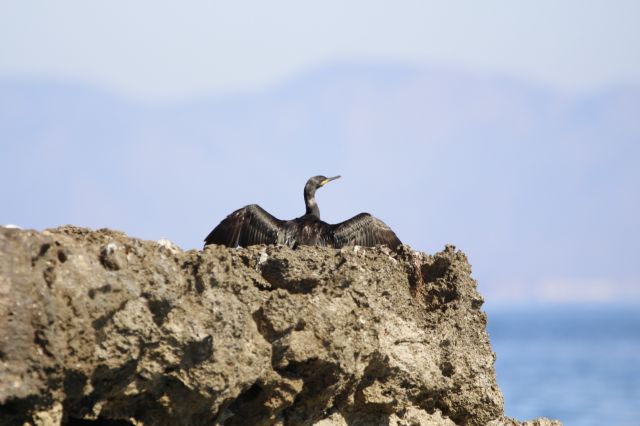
(540, 189)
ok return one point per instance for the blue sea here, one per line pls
(577, 364)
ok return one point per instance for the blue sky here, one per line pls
(167, 50)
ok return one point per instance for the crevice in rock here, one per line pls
(112, 257)
(49, 274)
(15, 411)
(376, 371)
(40, 339)
(101, 321)
(189, 406)
(248, 408)
(74, 383)
(192, 268)
(264, 326)
(103, 289)
(76, 403)
(196, 352)
(159, 308)
(44, 248)
(447, 369)
(320, 378)
(413, 269)
(106, 381)
(261, 285)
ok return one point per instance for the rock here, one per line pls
(96, 327)
(540, 421)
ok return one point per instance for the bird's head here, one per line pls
(318, 181)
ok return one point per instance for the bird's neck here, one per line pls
(310, 203)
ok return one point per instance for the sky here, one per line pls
(165, 50)
(507, 124)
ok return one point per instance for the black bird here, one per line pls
(252, 225)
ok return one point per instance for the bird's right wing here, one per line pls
(247, 226)
(364, 230)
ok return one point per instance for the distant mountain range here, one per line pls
(540, 189)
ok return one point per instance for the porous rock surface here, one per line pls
(100, 328)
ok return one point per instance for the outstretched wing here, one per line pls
(364, 230)
(247, 226)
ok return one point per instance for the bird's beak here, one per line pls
(327, 180)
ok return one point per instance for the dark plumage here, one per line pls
(252, 225)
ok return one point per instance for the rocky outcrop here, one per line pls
(97, 327)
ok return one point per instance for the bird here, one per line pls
(253, 225)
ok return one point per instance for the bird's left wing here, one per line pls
(247, 226)
(364, 230)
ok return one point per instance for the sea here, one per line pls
(576, 363)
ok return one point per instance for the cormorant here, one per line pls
(252, 225)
